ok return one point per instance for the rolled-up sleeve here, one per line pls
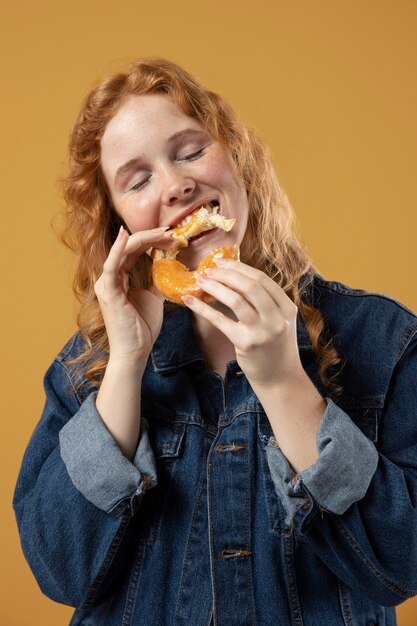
(98, 468)
(341, 475)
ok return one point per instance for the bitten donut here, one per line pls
(170, 276)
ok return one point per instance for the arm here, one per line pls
(133, 319)
(118, 402)
(355, 504)
(86, 470)
(74, 529)
(265, 339)
(295, 411)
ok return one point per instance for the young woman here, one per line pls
(250, 461)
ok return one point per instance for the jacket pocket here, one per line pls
(357, 609)
(166, 435)
(275, 510)
(365, 412)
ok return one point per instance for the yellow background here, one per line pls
(330, 85)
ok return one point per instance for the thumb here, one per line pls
(156, 293)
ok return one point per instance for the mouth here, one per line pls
(212, 207)
(201, 220)
(196, 224)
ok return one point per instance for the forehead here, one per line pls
(146, 117)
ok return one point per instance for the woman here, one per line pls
(248, 461)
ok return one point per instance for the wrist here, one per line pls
(295, 389)
(284, 383)
(126, 365)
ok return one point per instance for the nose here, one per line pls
(177, 186)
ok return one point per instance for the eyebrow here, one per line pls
(132, 163)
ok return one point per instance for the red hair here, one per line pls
(91, 224)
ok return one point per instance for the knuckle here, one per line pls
(218, 317)
(235, 300)
(249, 343)
(280, 328)
(294, 308)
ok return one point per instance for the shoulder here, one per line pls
(72, 349)
(353, 313)
(353, 296)
(370, 331)
(64, 375)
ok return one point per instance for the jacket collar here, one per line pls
(176, 345)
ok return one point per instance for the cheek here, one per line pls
(227, 177)
(219, 171)
(136, 217)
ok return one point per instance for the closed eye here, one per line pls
(189, 157)
(194, 155)
(140, 184)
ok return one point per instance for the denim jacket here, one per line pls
(209, 524)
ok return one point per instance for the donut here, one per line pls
(172, 278)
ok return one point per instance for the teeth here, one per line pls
(189, 217)
(186, 220)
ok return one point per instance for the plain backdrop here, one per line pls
(330, 85)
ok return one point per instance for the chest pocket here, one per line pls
(166, 436)
(365, 412)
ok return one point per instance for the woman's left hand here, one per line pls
(265, 332)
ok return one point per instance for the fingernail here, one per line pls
(120, 232)
(187, 300)
(200, 278)
(210, 271)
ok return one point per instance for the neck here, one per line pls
(215, 346)
(204, 329)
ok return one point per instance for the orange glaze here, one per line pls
(174, 280)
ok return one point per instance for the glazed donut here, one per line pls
(170, 276)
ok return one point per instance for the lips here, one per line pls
(186, 216)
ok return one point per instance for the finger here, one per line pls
(109, 283)
(117, 252)
(276, 292)
(144, 239)
(125, 281)
(156, 292)
(143, 243)
(248, 289)
(133, 256)
(228, 327)
(232, 298)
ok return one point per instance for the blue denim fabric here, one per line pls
(209, 521)
(98, 467)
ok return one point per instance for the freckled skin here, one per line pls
(141, 128)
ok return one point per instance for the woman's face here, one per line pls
(160, 165)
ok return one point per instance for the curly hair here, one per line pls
(91, 223)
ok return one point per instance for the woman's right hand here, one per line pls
(133, 317)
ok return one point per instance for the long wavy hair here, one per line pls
(91, 223)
